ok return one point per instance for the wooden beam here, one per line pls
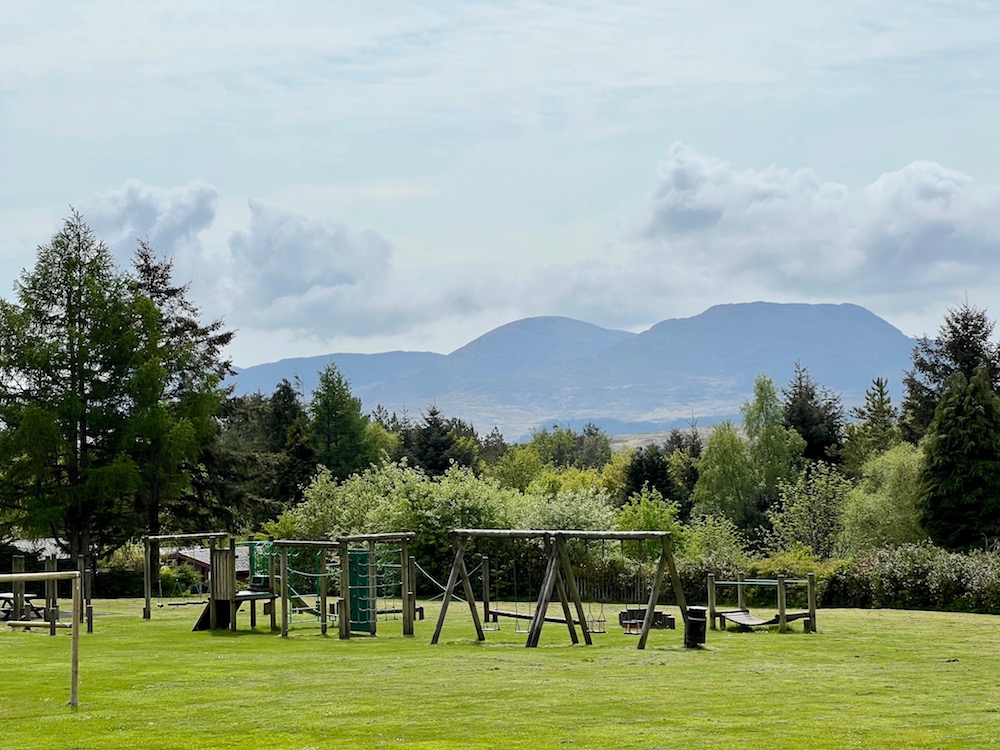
(458, 541)
(574, 590)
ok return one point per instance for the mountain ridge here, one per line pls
(550, 369)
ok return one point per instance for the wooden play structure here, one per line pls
(742, 615)
(559, 580)
(226, 594)
(17, 581)
(365, 569)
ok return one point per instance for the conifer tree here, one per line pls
(960, 482)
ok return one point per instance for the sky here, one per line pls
(366, 177)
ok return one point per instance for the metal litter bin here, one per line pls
(694, 630)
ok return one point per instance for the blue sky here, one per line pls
(404, 175)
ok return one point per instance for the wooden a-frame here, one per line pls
(559, 579)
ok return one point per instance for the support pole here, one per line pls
(485, 565)
(51, 595)
(147, 579)
(654, 596)
(811, 594)
(544, 597)
(782, 618)
(459, 543)
(405, 601)
(17, 587)
(667, 543)
(711, 601)
(284, 592)
(231, 576)
(372, 589)
(574, 590)
(74, 685)
(213, 589)
(344, 605)
(323, 613)
(271, 582)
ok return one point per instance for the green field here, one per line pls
(866, 679)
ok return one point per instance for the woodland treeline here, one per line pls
(115, 421)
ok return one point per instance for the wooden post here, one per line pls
(574, 590)
(654, 596)
(213, 589)
(667, 544)
(74, 691)
(17, 566)
(284, 591)
(271, 582)
(147, 579)
(322, 592)
(411, 565)
(372, 589)
(51, 595)
(711, 600)
(470, 597)
(811, 594)
(405, 602)
(459, 544)
(344, 605)
(231, 576)
(542, 603)
(741, 592)
(486, 588)
(782, 619)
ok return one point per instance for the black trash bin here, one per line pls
(694, 632)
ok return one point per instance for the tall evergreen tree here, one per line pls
(960, 482)
(875, 429)
(176, 434)
(816, 414)
(337, 427)
(77, 369)
(963, 343)
(433, 442)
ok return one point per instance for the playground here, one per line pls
(868, 678)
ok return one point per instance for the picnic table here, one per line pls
(31, 609)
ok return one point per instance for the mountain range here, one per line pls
(542, 371)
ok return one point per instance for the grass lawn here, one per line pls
(867, 679)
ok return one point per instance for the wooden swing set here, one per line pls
(559, 580)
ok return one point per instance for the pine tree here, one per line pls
(816, 414)
(337, 428)
(960, 483)
(875, 429)
(962, 344)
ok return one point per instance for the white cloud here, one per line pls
(170, 218)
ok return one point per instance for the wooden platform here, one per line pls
(745, 618)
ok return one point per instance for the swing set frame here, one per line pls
(559, 580)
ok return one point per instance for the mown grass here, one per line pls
(867, 679)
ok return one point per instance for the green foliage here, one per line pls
(563, 447)
(178, 579)
(647, 510)
(875, 430)
(918, 576)
(816, 414)
(883, 509)
(394, 497)
(961, 475)
(963, 343)
(727, 484)
(517, 468)
(338, 430)
(79, 375)
(580, 508)
(809, 512)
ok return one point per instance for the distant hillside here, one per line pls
(541, 371)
